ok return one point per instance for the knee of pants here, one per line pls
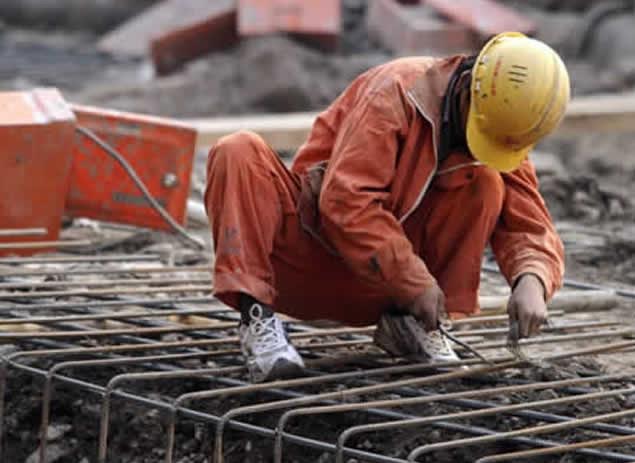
(489, 187)
(237, 150)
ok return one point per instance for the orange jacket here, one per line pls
(367, 164)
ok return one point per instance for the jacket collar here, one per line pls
(428, 91)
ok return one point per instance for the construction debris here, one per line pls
(486, 17)
(415, 29)
(134, 37)
(175, 32)
(214, 30)
(314, 22)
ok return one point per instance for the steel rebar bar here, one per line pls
(474, 414)
(402, 402)
(79, 259)
(18, 232)
(519, 432)
(595, 443)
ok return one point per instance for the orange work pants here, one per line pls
(262, 250)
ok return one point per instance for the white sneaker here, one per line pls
(404, 336)
(437, 347)
(267, 351)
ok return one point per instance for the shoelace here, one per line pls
(465, 345)
(267, 332)
(436, 342)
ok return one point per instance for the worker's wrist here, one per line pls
(535, 279)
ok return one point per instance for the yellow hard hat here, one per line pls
(519, 93)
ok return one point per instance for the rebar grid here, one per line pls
(119, 348)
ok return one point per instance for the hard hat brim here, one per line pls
(490, 152)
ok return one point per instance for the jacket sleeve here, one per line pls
(525, 239)
(356, 187)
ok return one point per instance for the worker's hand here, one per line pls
(527, 305)
(428, 307)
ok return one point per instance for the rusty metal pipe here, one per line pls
(264, 432)
(217, 455)
(44, 244)
(78, 259)
(107, 292)
(114, 382)
(531, 431)
(495, 318)
(630, 293)
(102, 283)
(17, 232)
(13, 336)
(106, 271)
(562, 338)
(595, 443)
(547, 329)
(54, 370)
(350, 432)
(287, 416)
(149, 302)
(108, 316)
(193, 414)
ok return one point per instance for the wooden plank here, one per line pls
(282, 131)
(600, 113)
(133, 38)
(596, 113)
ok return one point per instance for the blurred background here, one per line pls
(100, 51)
(202, 59)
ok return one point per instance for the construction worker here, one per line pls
(404, 180)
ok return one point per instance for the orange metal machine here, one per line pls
(161, 151)
(36, 129)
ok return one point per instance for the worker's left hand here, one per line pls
(527, 305)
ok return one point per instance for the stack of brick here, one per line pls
(174, 32)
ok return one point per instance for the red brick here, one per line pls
(486, 17)
(318, 21)
(175, 31)
(415, 29)
(212, 31)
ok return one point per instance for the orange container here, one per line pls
(161, 151)
(36, 131)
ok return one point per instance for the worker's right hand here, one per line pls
(428, 307)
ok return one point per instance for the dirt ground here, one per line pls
(138, 434)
